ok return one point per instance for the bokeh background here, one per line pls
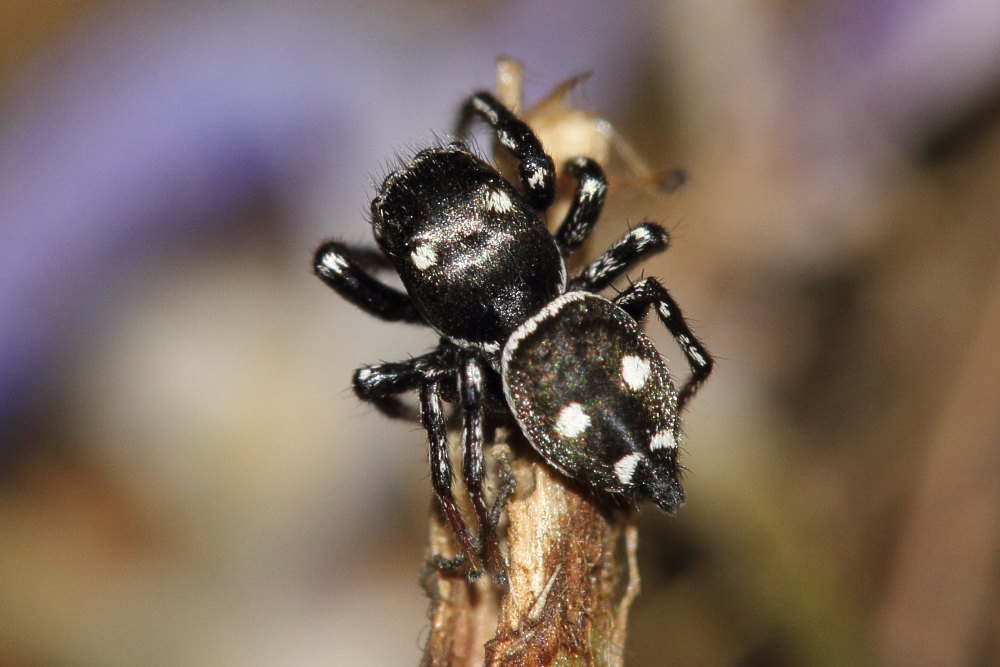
(185, 477)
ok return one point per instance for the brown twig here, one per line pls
(573, 576)
(573, 572)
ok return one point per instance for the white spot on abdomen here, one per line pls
(423, 257)
(635, 370)
(625, 467)
(572, 421)
(663, 440)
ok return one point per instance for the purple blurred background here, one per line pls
(185, 476)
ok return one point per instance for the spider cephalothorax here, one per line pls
(478, 265)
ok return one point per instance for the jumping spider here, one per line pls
(584, 383)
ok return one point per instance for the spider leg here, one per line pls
(586, 206)
(432, 416)
(471, 387)
(380, 384)
(335, 267)
(508, 484)
(535, 167)
(367, 257)
(638, 244)
(636, 301)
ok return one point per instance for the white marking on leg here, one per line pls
(488, 113)
(423, 257)
(536, 178)
(635, 370)
(625, 467)
(592, 188)
(334, 262)
(475, 375)
(663, 440)
(642, 234)
(572, 421)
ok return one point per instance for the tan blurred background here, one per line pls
(185, 476)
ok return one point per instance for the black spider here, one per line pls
(479, 266)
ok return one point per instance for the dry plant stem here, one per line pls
(573, 576)
(573, 572)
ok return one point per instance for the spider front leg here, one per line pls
(586, 206)
(471, 387)
(432, 416)
(335, 267)
(638, 244)
(636, 301)
(381, 384)
(534, 166)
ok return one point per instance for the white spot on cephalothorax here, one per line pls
(635, 370)
(423, 257)
(663, 440)
(572, 421)
(625, 467)
(497, 200)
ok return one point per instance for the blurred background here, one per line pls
(185, 475)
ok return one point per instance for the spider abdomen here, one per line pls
(595, 398)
